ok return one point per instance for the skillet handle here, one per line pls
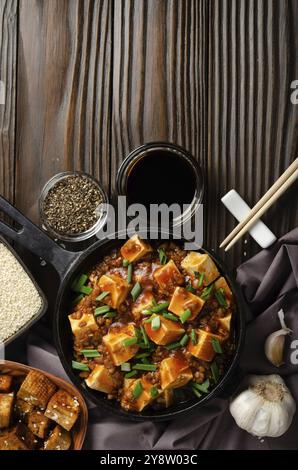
(34, 239)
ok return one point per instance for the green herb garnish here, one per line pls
(196, 392)
(137, 390)
(201, 279)
(146, 311)
(185, 316)
(170, 316)
(135, 291)
(193, 337)
(125, 367)
(174, 345)
(130, 374)
(130, 341)
(215, 371)
(154, 392)
(155, 323)
(85, 290)
(142, 355)
(220, 297)
(162, 256)
(101, 310)
(90, 352)
(125, 263)
(145, 337)
(184, 340)
(79, 366)
(111, 314)
(129, 273)
(139, 366)
(148, 320)
(191, 289)
(216, 345)
(160, 307)
(206, 292)
(202, 387)
(102, 295)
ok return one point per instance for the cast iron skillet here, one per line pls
(69, 265)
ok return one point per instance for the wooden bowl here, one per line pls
(79, 430)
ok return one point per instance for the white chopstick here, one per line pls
(271, 196)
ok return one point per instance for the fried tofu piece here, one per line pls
(168, 331)
(23, 409)
(134, 249)
(100, 379)
(174, 372)
(19, 438)
(36, 389)
(183, 300)
(225, 324)
(59, 439)
(114, 343)
(221, 284)
(84, 326)
(195, 262)
(5, 383)
(128, 402)
(204, 349)
(168, 277)
(144, 301)
(6, 409)
(64, 409)
(116, 286)
(38, 424)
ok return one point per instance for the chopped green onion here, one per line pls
(146, 311)
(145, 337)
(220, 297)
(206, 292)
(184, 340)
(135, 291)
(154, 303)
(79, 366)
(102, 295)
(126, 367)
(90, 352)
(77, 300)
(170, 316)
(142, 355)
(202, 387)
(79, 282)
(130, 341)
(151, 367)
(201, 279)
(216, 345)
(191, 289)
(148, 320)
(173, 345)
(155, 323)
(131, 374)
(102, 309)
(137, 390)
(129, 273)
(125, 263)
(196, 392)
(193, 337)
(154, 392)
(110, 315)
(85, 290)
(162, 256)
(185, 316)
(160, 307)
(215, 371)
(145, 360)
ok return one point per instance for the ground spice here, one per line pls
(72, 205)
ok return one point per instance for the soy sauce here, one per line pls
(161, 177)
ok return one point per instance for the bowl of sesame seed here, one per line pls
(73, 206)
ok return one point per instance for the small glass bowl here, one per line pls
(76, 237)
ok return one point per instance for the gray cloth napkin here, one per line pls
(269, 282)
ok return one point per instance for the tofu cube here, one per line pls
(195, 262)
(145, 398)
(36, 389)
(100, 379)
(183, 300)
(23, 409)
(222, 284)
(204, 349)
(168, 277)
(144, 301)
(59, 439)
(225, 324)
(84, 326)
(6, 409)
(168, 331)
(134, 249)
(38, 424)
(174, 372)
(114, 343)
(5, 383)
(116, 286)
(19, 438)
(63, 409)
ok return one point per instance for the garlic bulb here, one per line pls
(266, 408)
(274, 344)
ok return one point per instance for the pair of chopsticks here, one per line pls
(269, 198)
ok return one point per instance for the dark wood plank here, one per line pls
(158, 76)
(252, 123)
(64, 80)
(8, 50)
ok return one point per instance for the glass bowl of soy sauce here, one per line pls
(162, 172)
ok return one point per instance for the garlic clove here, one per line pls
(274, 347)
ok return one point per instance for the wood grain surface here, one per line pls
(97, 78)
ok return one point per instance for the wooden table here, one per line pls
(86, 81)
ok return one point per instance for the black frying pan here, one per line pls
(69, 265)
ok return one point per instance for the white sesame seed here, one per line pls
(19, 299)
